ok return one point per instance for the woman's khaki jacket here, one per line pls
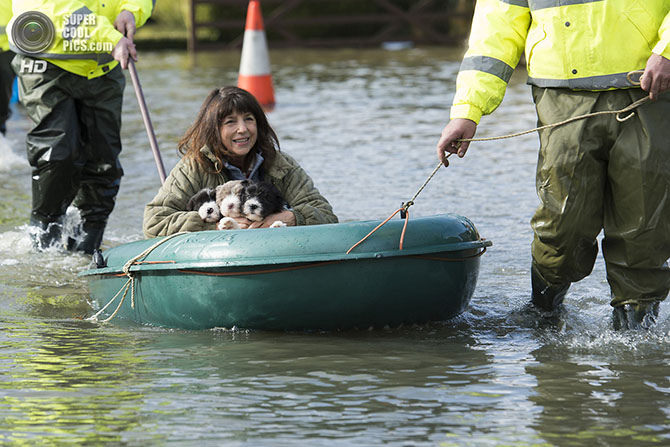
(166, 214)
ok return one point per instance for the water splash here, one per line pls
(15, 244)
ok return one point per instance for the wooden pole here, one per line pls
(147, 120)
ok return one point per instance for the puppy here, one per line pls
(229, 197)
(261, 199)
(239, 198)
(204, 202)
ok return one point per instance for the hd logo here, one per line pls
(33, 66)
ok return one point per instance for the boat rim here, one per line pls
(298, 259)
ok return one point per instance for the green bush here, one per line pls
(226, 20)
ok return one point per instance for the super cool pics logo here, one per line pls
(77, 34)
(33, 33)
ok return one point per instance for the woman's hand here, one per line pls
(285, 216)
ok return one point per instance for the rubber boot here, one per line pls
(98, 260)
(45, 234)
(636, 316)
(546, 296)
(90, 240)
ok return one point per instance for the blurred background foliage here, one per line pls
(222, 21)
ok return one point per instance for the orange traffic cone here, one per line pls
(254, 73)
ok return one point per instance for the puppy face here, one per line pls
(260, 200)
(204, 202)
(209, 212)
(229, 198)
(253, 209)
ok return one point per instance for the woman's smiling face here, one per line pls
(239, 134)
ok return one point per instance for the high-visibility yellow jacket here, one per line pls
(84, 31)
(581, 45)
(5, 15)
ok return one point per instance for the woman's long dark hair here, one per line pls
(220, 103)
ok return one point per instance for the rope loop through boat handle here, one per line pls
(404, 210)
(130, 283)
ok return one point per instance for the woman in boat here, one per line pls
(231, 139)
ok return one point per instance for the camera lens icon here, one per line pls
(33, 32)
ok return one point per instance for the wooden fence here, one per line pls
(321, 23)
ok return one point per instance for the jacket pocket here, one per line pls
(644, 19)
(536, 35)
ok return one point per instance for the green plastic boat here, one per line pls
(294, 278)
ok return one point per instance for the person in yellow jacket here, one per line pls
(6, 72)
(593, 174)
(70, 56)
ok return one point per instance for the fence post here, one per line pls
(192, 37)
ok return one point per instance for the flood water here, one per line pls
(364, 125)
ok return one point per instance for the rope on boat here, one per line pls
(130, 283)
(404, 210)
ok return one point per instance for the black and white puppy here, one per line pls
(261, 199)
(204, 202)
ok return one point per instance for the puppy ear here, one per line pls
(238, 187)
(251, 188)
(190, 206)
(222, 191)
(198, 199)
(275, 195)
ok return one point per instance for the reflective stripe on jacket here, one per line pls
(84, 31)
(5, 15)
(576, 44)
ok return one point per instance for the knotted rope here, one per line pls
(130, 283)
(404, 209)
